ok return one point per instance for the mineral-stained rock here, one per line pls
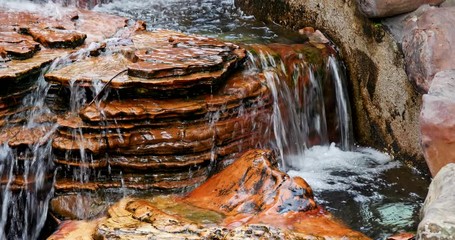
(18, 46)
(249, 199)
(68, 30)
(257, 189)
(174, 140)
(56, 38)
(437, 123)
(162, 60)
(427, 43)
(387, 8)
(76, 230)
(438, 212)
(18, 75)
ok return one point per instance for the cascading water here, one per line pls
(27, 168)
(310, 111)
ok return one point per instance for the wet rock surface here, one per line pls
(438, 221)
(161, 62)
(165, 144)
(26, 39)
(257, 202)
(153, 112)
(385, 104)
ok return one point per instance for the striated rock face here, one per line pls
(161, 62)
(249, 199)
(387, 8)
(30, 41)
(437, 123)
(138, 139)
(427, 43)
(438, 221)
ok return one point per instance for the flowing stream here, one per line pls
(369, 190)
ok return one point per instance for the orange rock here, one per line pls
(402, 236)
(76, 230)
(252, 191)
(249, 199)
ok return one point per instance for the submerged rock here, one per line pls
(249, 199)
(438, 212)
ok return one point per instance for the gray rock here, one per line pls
(448, 3)
(427, 44)
(438, 212)
(387, 8)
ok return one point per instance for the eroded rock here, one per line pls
(249, 199)
(161, 62)
(174, 140)
(438, 212)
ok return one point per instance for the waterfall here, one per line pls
(302, 99)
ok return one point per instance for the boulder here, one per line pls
(249, 199)
(388, 8)
(428, 40)
(437, 123)
(438, 211)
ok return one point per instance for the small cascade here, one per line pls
(310, 102)
(148, 112)
(26, 167)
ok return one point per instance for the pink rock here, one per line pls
(437, 122)
(427, 43)
(387, 8)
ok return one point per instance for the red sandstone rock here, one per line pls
(387, 8)
(427, 43)
(159, 61)
(56, 38)
(18, 46)
(437, 122)
(255, 200)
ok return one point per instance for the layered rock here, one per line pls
(438, 221)
(387, 8)
(158, 63)
(249, 199)
(427, 43)
(178, 112)
(30, 41)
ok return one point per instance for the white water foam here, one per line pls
(328, 168)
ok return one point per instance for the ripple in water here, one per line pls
(369, 190)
